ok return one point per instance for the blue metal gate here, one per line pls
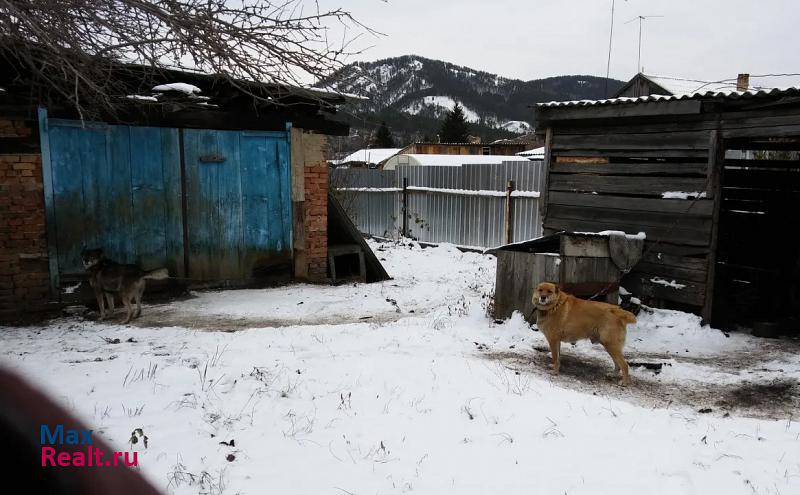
(208, 205)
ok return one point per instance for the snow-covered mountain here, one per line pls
(412, 93)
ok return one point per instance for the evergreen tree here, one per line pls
(454, 128)
(383, 138)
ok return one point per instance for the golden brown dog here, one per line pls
(564, 318)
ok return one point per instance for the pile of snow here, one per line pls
(667, 283)
(516, 126)
(142, 98)
(682, 195)
(179, 87)
(640, 235)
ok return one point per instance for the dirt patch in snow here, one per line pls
(775, 398)
(168, 317)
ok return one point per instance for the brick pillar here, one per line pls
(310, 204)
(24, 271)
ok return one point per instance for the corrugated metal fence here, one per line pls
(463, 205)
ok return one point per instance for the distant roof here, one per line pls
(535, 153)
(682, 86)
(371, 155)
(448, 160)
(530, 138)
(452, 144)
(711, 95)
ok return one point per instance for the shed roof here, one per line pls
(707, 95)
(448, 160)
(143, 95)
(371, 155)
(534, 154)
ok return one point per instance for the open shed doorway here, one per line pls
(758, 255)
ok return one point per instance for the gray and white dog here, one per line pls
(109, 278)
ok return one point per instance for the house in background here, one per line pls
(502, 147)
(367, 157)
(646, 85)
(192, 173)
(379, 157)
(417, 160)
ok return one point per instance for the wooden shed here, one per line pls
(713, 180)
(222, 182)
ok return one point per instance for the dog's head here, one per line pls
(91, 257)
(545, 295)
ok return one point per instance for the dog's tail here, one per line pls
(626, 316)
(157, 274)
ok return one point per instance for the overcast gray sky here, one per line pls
(701, 39)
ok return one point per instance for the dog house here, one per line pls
(583, 264)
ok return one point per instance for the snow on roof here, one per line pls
(371, 155)
(732, 95)
(188, 89)
(534, 154)
(142, 98)
(448, 160)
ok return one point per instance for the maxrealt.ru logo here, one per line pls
(53, 442)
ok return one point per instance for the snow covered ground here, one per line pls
(406, 386)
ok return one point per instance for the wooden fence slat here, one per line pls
(650, 186)
(702, 207)
(662, 168)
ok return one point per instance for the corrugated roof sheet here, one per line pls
(371, 155)
(711, 95)
(535, 153)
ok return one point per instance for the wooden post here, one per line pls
(548, 158)
(509, 212)
(716, 163)
(405, 206)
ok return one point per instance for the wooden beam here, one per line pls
(632, 140)
(645, 168)
(676, 235)
(666, 153)
(620, 184)
(646, 219)
(682, 291)
(702, 207)
(545, 115)
(716, 158)
(548, 161)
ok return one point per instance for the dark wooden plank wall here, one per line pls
(614, 177)
(758, 279)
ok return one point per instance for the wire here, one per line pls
(723, 81)
(610, 37)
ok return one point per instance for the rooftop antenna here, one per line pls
(641, 18)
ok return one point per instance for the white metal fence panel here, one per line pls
(461, 205)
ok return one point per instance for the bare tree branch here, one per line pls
(75, 47)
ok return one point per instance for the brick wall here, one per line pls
(316, 210)
(24, 274)
(310, 204)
